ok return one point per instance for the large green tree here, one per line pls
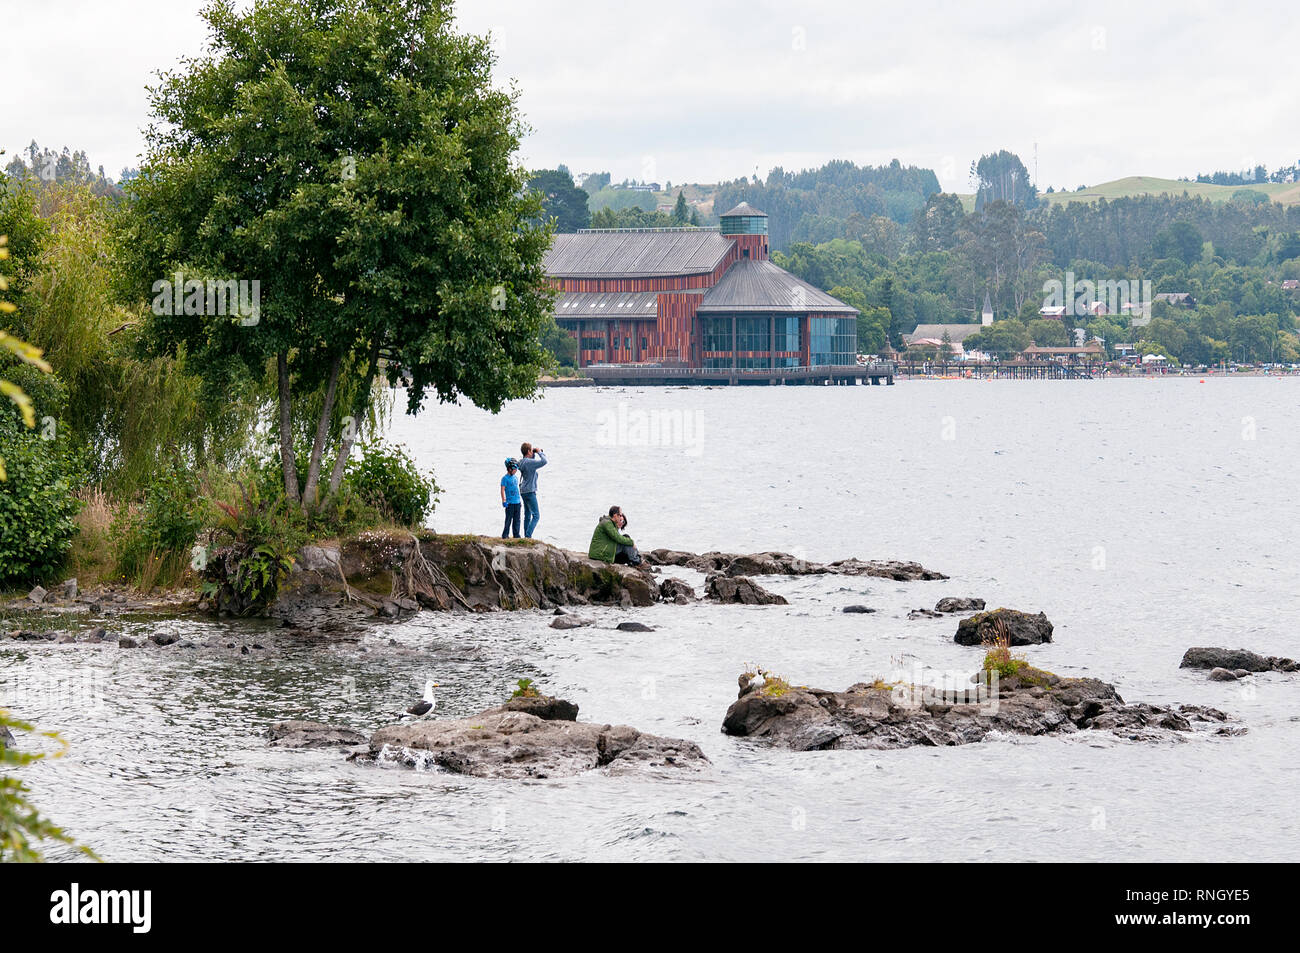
(562, 200)
(356, 159)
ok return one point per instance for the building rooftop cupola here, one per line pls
(747, 226)
(744, 219)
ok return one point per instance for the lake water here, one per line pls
(1143, 517)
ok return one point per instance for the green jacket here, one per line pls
(605, 541)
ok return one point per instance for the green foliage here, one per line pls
(21, 826)
(527, 689)
(164, 529)
(387, 477)
(355, 158)
(561, 199)
(37, 506)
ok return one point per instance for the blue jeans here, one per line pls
(512, 520)
(531, 513)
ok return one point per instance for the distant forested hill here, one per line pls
(815, 204)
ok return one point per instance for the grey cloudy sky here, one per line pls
(696, 91)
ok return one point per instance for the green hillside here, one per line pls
(1288, 193)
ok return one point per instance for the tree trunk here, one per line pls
(287, 462)
(350, 435)
(309, 492)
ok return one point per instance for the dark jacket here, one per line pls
(606, 540)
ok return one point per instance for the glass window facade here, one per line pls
(760, 339)
(743, 225)
(833, 341)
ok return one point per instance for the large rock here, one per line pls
(958, 604)
(571, 622)
(387, 574)
(312, 734)
(887, 716)
(543, 706)
(1235, 659)
(787, 564)
(740, 590)
(1020, 628)
(676, 590)
(515, 744)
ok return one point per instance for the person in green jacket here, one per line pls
(608, 544)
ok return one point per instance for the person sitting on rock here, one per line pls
(609, 545)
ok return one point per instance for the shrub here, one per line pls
(37, 505)
(387, 477)
(154, 543)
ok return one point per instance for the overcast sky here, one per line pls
(700, 91)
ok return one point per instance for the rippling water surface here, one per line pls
(1144, 517)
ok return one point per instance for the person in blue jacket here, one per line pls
(510, 498)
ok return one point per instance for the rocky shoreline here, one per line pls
(884, 716)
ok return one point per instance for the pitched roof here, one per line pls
(751, 285)
(744, 208)
(956, 332)
(615, 253)
(607, 304)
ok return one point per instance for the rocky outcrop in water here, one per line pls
(676, 590)
(740, 590)
(391, 574)
(512, 744)
(785, 564)
(1019, 628)
(312, 734)
(1234, 659)
(958, 604)
(887, 716)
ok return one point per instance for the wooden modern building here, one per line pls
(694, 297)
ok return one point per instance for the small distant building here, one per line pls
(931, 335)
(1179, 299)
(1055, 312)
(1291, 284)
(986, 316)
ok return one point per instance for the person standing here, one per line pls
(510, 498)
(532, 460)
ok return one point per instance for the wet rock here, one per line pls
(164, 638)
(634, 627)
(126, 642)
(312, 734)
(571, 622)
(1020, 628)
(786, 564)
(676, 590)
(886, 716)
(515, 744)
(924, 614)
(857, 610)
(38, 595)
(958, 604)
(64, 638)
(1235, 659)
(30, 636)
(1224, 675)
(543, 706)
(69, 588)
(740, 590)
(97, 634)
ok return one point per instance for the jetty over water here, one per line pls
(881, 372)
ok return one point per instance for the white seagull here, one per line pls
(430, 702)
